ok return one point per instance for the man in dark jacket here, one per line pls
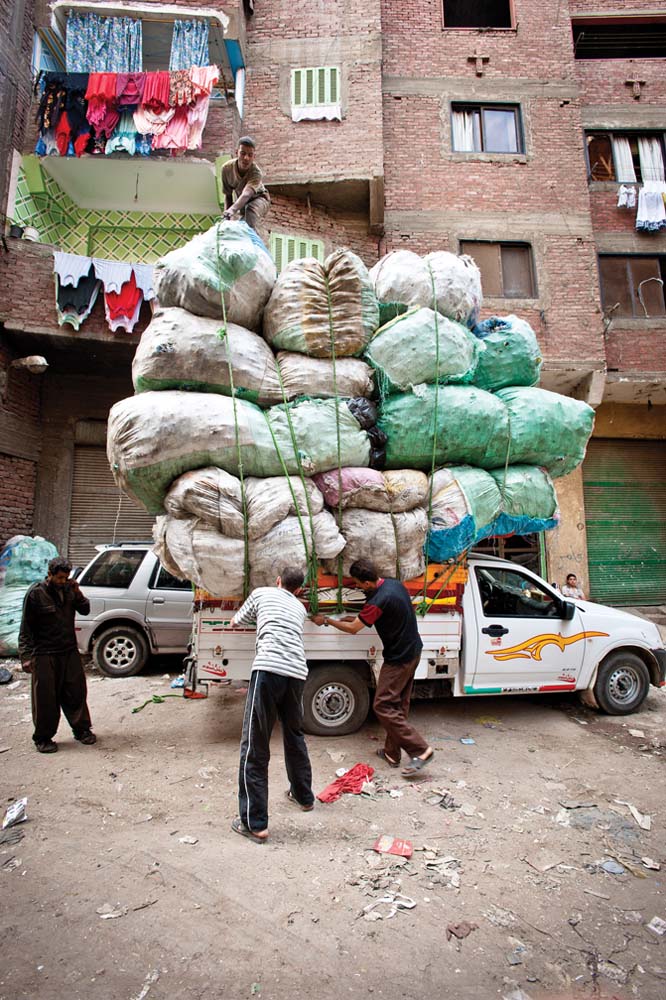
(48, 651)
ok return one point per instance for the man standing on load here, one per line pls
(275, 692)
(389, 608)
(245, 196)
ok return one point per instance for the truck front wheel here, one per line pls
(622, 683)
(335, 701)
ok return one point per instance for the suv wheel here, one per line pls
(121, 651)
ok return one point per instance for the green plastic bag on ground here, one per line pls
(512, 355)
(313, 304)
(157, 436)
(422, 346)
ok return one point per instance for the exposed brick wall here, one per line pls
(334, 228)
(22, 390)
(15, 84)
(18, 477)
(636, 347)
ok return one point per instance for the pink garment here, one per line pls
(197, 116)
(151, 122)
(101, 97)
(203, 79)
(175, 134)
(129, 87)
(351, 782)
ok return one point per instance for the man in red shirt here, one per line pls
(389, 608)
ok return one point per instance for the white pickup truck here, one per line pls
(513, 634)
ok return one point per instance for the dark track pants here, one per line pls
(271, 697)
(58, 682)
(391, 705)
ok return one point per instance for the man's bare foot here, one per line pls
(239, 827)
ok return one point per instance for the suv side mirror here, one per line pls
(567, 610)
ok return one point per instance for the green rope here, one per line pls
(224, 335)
(397, 546)
(156, 699)
(434, 436)
(339, 606)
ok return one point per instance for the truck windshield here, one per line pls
(113, 568)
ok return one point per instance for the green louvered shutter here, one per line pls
(625, 512)
(285, 248)
(315, 85)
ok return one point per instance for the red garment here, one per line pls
(81, 143)
(123, 303)
(156, 90)
(351, 782)
(102, 85)
(63, 134)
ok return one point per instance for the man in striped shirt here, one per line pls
(276, 691)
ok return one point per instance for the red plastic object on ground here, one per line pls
(351, 782)
(393, 845)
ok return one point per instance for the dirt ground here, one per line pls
(103, 900)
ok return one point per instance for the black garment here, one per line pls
(269, 697)
(77, 298)
(58, 682)
(389, 608)
(47, 625)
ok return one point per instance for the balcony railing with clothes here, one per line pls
(133, 112)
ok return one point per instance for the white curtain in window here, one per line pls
(624, 164)
(463, 131)
(652, 161)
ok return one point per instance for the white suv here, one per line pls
(136, 608)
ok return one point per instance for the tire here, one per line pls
(121, 651)
(335, 701)
(622, 684)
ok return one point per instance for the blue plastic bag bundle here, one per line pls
(23, 561)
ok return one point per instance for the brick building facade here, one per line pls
(392, 167)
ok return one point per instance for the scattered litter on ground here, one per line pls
(581, 722)
(654, 866)
(349, 782)
(255, 989)
(657, 926)
(396, 793)
(16, 813)
(516, 994)
(6, 676)
(441, 797)
(611, 867)
(467, 741)
(638, 733)
(109, 912)
(576, 804)
(613, 972)
(13, 685)
(599, 895)
(4, 749)
(336, 756)
(460, 930)
(144, 906)
(500, 917)
(543, 862)
(11, 864)
(11, 836)
(643, 819)
(443, 871)
(208, 772)
(178, 682)
(149, 981)
(393, 845)
(188, 840)
(341, 771)
(395, 901)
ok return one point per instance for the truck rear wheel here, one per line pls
(622, 683)
(335, 701)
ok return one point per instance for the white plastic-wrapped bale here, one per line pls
(157, 436)
(440, 280)
(228, 262)
(398, 490)
(393, 542)
(320, 377)
(322, 309)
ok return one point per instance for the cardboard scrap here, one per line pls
(393, 845)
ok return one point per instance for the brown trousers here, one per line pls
(391, 705)
(58, 682)
(256, 210)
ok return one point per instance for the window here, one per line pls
(315, 93)
(486, 128)
(285, 248)
(632, 285)
(113, 568)
(622, 39)
(165, 581)
(508, 593)
(477, 14)
(626, 157)
(507, 270)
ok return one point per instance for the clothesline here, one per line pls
(79, 279)
(137, 113)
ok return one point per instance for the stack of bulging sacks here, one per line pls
(331, 412)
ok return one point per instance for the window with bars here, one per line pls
(507, 269)
(285, 249)
(315, 92)
(632, 285)
(486, 128)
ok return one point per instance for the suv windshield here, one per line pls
(113, 568)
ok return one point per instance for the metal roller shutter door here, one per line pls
(625, 510)
(95, 499)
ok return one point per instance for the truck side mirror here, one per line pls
(567, 610)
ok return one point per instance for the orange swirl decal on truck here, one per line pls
(532, 648)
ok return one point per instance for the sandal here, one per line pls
(391, 763)
(239, 827)
(294, 801)
(416, 764)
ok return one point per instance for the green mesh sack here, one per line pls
(156, 436)
(422, 346)
(527, 492)
(450, 423)
(23, 561)
(547, 429)
(511, 356)
(313, 305)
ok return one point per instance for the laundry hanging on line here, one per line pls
(79, 280)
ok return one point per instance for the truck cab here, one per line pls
(510, 633)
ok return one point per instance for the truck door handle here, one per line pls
(160, 600)
(494, 630)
